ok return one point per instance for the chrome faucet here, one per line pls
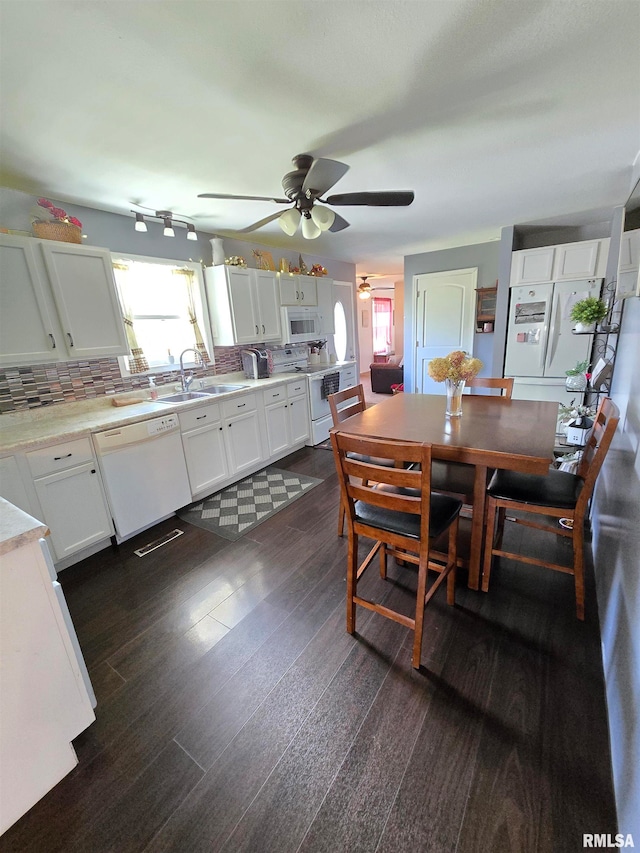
(187, 379)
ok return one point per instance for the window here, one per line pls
(163, 305)
(340, 334)
(382, 322)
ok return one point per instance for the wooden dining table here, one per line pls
(492, 432)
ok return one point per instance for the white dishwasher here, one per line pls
(144, 473)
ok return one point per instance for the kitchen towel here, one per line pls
(239, 508)
(330, 384)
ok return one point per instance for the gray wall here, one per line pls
(116, 232)
(484, 256)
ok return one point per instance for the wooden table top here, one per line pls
(494, 431)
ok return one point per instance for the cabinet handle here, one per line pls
(257, 330)
(70, 339)
(200, 417)
(221, 428)
(276, 395)
(297, 296)
(53, 341)
(263, 330)
(93, 470)
(58, 458)
(240, 405)
(302, 292)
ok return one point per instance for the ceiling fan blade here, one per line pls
(390, 198)
(259, 223)
(339, 224)
(247, 197)
(322, 175)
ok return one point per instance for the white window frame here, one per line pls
(202, 311)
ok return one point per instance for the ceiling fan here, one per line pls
(303, 187)
(365, 291)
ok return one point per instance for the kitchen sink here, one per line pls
(182, 397)
(221, 389)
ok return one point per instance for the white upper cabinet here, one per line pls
(566, 262)
(298, 289)
(58, 302)
(629, 251)
(243, 305)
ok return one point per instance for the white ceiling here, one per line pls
(494, 112)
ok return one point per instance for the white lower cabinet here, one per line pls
(242, 434)
(70, 493)
(204, 448)
(286, 416)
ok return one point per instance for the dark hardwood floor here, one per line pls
(235, 713)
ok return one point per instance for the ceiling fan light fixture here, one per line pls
(323, 217)
(168, 228)
(289, 221)
(191, 231)
(140, 225)
(309, 228)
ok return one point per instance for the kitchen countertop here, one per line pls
(17, 528)
(27, 430)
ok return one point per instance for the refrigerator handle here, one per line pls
(554, 329)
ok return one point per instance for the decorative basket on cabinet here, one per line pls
(65, 232)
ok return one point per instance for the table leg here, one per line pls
(477, 526)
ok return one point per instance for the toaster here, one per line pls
(255, 363)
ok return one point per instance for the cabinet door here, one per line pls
(289, 292)
(242, 434)
(325, 305)
(85, 294)
(630, 251)
(29, 329)
(243, 312)
(206, 457)
(532, 266)
(308, 290)
(74, 508)
(576, 261)
(298, 420)
(277, 420)
(268, 306)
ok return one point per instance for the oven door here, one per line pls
(318, 406)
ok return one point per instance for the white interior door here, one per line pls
(445, 313)
(344, 338)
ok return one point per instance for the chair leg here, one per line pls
(490, 522)
(452, 557)
(578, 569)
(383, 561)
(341, 518)
(419, 620)
(352, 577)
(502, 514)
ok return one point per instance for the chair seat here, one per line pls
(442, 513)
(452, 477)
(558, 489)
(373, 460)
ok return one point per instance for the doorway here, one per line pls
(444, 321)
(344, 339)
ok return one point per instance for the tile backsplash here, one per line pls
(44, 384)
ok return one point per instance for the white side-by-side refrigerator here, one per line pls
(541, 343)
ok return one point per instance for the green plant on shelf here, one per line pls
(589, 310)
(581, 367)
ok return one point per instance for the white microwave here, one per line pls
(300, 325)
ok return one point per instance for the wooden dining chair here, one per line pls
(456, 478)
(559, 494)
(503, 383)
(355, 402)
(396, 508)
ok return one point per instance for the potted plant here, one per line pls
(587, 312)
(577, 377)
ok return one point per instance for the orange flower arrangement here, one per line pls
(457, 367)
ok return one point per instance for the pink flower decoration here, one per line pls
(74, 221)
(43, 202)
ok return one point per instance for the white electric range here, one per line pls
(322, 379)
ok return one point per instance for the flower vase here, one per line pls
(576, 382)
(454, 397)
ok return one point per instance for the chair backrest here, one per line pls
(605, 424)
(359, 478)
(357, 404)
(506, 385)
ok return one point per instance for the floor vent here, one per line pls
(158, 543)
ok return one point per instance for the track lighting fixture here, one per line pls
(168, 221)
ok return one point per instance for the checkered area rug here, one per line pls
(239, 508)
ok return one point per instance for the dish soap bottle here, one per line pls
(153, 391)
